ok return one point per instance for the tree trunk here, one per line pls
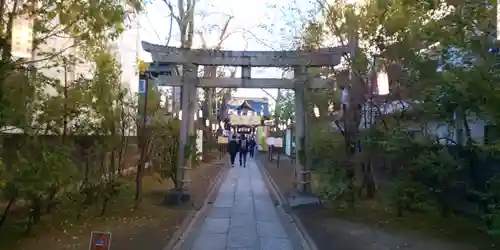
(6, 211)
(140, 167)
(7, 46)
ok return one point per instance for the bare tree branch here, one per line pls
(170, 29)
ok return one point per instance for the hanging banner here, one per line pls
(245, 120)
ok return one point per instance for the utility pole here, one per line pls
(142, 131)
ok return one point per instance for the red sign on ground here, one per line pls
(100, 241)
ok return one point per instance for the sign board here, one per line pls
(244, 130)
(100, 241)
(270, 141)
(222, 140)
(142, 86)
(278, 142)
(269, 122)
(245, 120)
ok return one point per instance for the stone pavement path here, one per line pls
(243, 216)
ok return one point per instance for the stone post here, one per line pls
(301, 171)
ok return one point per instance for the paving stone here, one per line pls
(242, 237)
(275, 244)
(215, 226)
(270, 229)
(223, 202)
(244, 248)
(266, 215)
(243, 216)
(210, 242)
(220, 212)
(264, 206)
(244, 202)
(243, 220)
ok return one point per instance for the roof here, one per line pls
(255, 106)
(245, 105)
(239, 100)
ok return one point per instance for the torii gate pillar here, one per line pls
(302, 183)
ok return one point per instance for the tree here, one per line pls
(78, 23)
(83, 114)
(209, 93)
(184, 17)
(442, 75)
(286, 107)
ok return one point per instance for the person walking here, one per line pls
(232, 149)
(243, 148)
(252, 146)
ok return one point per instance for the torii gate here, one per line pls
(165, 57)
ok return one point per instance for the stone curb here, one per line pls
(179, 237)
(307, 242)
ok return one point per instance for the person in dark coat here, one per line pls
(252, 146)
(232, 149)
(243, 148)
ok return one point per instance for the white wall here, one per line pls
(443, 130)
(128, 51)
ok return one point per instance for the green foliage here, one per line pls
(330, 164)
(166, 133)
(413, 168)
(166, 141)
(73, 142)
(286, 106)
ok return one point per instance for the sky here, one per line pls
(257, 25)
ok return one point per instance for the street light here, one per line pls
(316, 111)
